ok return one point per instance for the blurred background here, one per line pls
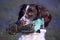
(9, 10)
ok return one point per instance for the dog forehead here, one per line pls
(27, 5)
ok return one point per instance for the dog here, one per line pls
(34, 12)
(28, 13)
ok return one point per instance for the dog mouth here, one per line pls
(24, 22)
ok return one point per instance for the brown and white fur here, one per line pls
(31, 12)
(41, 12)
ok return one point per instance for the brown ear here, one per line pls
(48, 18)
(44, 13)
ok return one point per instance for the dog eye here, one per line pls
(31, 13)
(30, 10)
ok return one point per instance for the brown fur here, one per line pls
(42, 12)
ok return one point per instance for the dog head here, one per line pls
(28, 12)
(31, 12)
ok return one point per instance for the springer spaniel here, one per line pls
(28, 13)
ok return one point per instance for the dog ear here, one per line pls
(43, 12)
(46, 15)
(49, 20)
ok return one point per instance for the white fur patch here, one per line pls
(34, 36)
(24, 18)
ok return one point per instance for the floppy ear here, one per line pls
(44, 13)
(48, 18)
